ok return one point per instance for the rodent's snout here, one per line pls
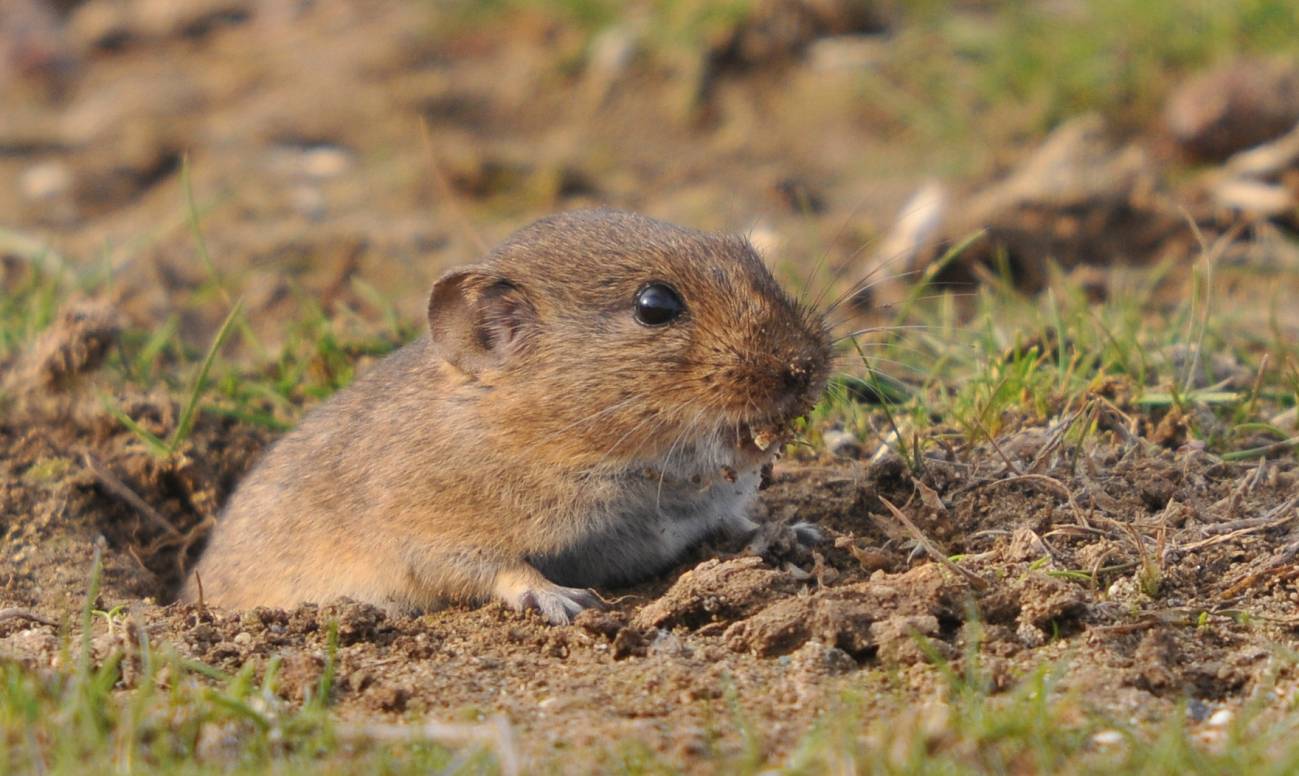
(779, 390)
(785, 385)
(799, 385)
(798, 375)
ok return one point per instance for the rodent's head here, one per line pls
(604, 335)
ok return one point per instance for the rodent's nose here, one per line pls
(797, 375)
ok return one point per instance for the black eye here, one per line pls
(657, 304)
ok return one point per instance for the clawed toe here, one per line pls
(522, 587)
(587, 598)
(559, 605)
(784, 537)
(806, 534)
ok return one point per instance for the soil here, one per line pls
(1148, 569)
(1133, 585)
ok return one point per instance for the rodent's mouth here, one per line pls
(759, 440)
(735, 448)
(762, 436)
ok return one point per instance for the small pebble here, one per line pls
(325, 161)
(1108, 738)
(608, 60)
(820, 660)
(1221, 718)
(1213, 738)
(842, 444)
(668, 644)
(308, 201)
(840, 53)
(765, 240)
(1197, 710)
(45, 181)
(1030, 635)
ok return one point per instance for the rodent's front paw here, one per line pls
(806, 534)
(783, 538)
(559, 605)
(522, 588)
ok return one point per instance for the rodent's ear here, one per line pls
(477, 320)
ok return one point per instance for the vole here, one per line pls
(592, 399)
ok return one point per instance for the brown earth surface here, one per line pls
(1147, 570)
(1057, 566)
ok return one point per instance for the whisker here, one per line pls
(871, 329)
(892, 306)
(663, 471)
(825, 254)
(859, 287)
(886, 346)
(912, 206)
(893, 364)
(656, 420)
(583, 421)
(864, 284)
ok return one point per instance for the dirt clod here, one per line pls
(76, 344)
(716, 591)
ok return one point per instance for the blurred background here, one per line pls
(344, 152)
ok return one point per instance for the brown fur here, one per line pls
(517, 434)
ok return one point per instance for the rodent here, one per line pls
(593, 398)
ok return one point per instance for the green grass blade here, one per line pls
(326, 685)
(1257, 452)
(88, 614)
(262, 419)
(192, 215)
(154, 346)
(196, 391)
(1163, 399)
(931, 272)
(156, 446)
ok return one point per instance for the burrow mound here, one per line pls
(73, 477)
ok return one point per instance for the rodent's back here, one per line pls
(305, 502)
